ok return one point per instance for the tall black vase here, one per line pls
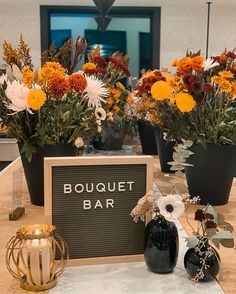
(212, 172)
(165, 151)
(34, 170)
(147, 137)
(161, 246)
(193, 263)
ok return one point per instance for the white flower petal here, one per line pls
(18, 95)
(95, 91)
(100, 113)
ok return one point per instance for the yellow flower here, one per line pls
(185, 102)
(120, 86)
(225, 74)
(226, 86)
(28, 76)
(50, 70)
(88, 66)
(234, 88)
(217, 80)
(36, 99)
(161, 90)
(175, 82)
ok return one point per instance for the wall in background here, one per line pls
(183, 24)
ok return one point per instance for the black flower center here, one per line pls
(169, 208)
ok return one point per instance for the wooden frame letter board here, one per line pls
(89, 200)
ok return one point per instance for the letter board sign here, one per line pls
(89, 200)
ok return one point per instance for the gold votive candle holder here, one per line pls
(36, 256)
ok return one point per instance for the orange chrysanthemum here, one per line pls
(217, 80)
(138, 107)
(51, 70)
(116, 93)
(184, 65)
(197, 63)
(116, 108)
(58, 86)
(234, 88)
(77, 83)
(36, 99)
(88, 66)
(161, 90)
(28, 76)
(110, 101)
(129, 100)
(185, 102)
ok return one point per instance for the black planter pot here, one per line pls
(161, 245)
(212, 173)
(147, 138)
(111, 139)
(34, 170)
(165, 151)
(193, 262)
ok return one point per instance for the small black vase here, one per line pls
(193, 262)
(147, 137)
(165, 151)
(161, 246)
(34, 170)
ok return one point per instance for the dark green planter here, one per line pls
(147, 138)
(212, 173)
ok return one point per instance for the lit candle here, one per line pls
(38, 261)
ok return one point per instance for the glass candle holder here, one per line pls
(36, 256)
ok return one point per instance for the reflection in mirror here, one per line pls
(128, 35)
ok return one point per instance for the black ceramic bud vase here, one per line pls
(161, 245)
(193, 263)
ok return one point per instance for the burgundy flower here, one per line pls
(100, 60)
(231, 54)
(186, 78)
(209, 216)
(194, 78)
(209, 224)
(219, 59)
(199, 215)
(208, 88)
(195, 86)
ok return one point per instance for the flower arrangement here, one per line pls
(113, 73)
(144, 106)
(48, 106)
(198, 101)
(212, 229)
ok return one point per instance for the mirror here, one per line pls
(131, 31)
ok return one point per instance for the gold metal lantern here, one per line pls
(36, 256)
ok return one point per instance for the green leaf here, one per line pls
(192, 242)
(223, 235)
(220, 219)
(229, 243)
(216, 242)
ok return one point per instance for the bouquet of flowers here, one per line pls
(48, 106)
(198, 102)
(114, 73)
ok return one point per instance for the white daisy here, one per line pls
(209, 63)
(171, 206)
(95, 91)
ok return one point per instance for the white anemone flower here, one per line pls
(95, 91)
(100, 113)
(18, 95)
(171, 206)
(209, 63)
